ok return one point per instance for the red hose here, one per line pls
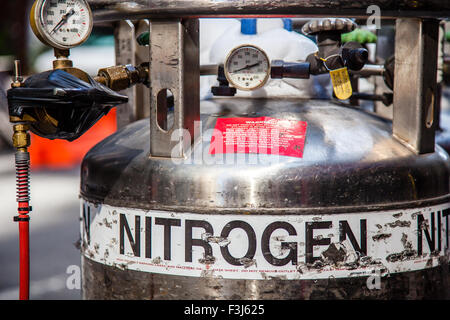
(23, 198)
(24, 240)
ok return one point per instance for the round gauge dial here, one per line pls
(247, 67)
(61, 24)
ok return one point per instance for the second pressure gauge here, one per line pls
(247, 67)
(62, 24)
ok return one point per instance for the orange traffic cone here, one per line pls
(62, 154)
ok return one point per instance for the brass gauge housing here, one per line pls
(247, 67)
(61, 24)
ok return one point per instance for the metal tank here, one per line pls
(360, 210)
(352, 171)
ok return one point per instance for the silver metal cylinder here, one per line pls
(357, 204)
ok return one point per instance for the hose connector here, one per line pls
(21, 137)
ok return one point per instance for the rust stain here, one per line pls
(381, 236)
(246, 262)
(207, 260)
(221, 241)
(402, 256)
(399, 223)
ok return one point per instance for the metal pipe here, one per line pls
(108, 10)
(367, 71)
(386, 98)
(370, 70)
(209, 69)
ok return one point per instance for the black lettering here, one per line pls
(87, 222)
(189, 242)
(148, 237)
(168, 224)
(310, 242)
(134, 243)
(445, 213)
(422, 226)
(345, 230)
(251, 242)
(439, 235)
(291, 257)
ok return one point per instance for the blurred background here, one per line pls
(54, 227)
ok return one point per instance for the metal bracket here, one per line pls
(142, 99)
(125, 46)
(416, 46)
(127, 52)
(174, 66)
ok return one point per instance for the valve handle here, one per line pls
(328, 24)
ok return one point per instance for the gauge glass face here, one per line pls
(247, 67)
(65, 23)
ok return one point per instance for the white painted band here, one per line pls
(266, 246)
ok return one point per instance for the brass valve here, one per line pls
(122, 77)
(116, 77)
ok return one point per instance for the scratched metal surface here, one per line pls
(105, 282)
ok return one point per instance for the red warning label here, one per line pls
(259, 135)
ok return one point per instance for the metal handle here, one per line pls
(109, 10)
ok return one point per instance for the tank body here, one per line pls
(355, 215)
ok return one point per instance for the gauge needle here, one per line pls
(247, 67)
(63, 20)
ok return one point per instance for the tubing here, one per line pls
(24, 270)
(22, 160)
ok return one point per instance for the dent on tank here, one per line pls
(255, 158)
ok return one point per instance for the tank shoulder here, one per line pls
(348, 160)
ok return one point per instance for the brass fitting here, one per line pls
(63, 62)
(62, 59)
(21, 137)
(122, 77)
(116, 77)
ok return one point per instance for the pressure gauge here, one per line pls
(61, 24)
(247, 67)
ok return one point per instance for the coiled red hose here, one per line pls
(22, 160)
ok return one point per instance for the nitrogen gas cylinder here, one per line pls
(326, 204)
